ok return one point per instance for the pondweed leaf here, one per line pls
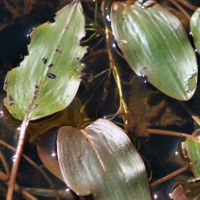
(195, 28)
(192, 145)
(155, 45)
(48, 78)
(102, 161)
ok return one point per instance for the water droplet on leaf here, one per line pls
(108, 18)
(144, 78)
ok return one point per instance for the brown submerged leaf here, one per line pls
(102, 161)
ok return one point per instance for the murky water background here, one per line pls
(148, 107)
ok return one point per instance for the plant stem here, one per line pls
(166, 132)
(170, 176)
(42, 192)
(113, 65)
(31, 162)
(187, 4)
(180, 8)
(20, 190)
(191, 113)
(17, 158)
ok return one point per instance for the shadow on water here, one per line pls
(148, 107)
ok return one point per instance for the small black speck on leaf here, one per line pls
(10, 98)
(50, 65)
(44, 60)
(36, 89)
(51, 76)
(58, 51)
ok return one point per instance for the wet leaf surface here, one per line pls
(195, 28)
(48, 78)
(155, 45)
(101, 160)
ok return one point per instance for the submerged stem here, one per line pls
(25, 157)
(191, 113)
(17, 158)
(187, 4)
(113, 65)
(167, 132)
(180, 8)
(170, 176)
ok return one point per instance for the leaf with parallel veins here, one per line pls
(47, 79)
(102, 161)
(156, 46)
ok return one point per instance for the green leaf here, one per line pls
(102, 161)
(155, 45)
(195, 28)
(48, 78)
(192, 145)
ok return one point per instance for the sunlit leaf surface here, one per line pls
(195, 28)
(156, 47)
(102, 161)
(48, 78)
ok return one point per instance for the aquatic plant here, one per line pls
(96, 157)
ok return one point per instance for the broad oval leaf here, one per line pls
(48, 78)
(102, 161)
(195, 28)
(155, 45)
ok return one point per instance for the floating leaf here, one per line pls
(102, 161)
(192, 146)
(195, 28)
(155, 45)
(48, 78)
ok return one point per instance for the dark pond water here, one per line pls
(148, 107)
